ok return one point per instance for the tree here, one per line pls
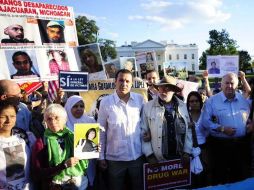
(87, 32)
(220, 44)
(107, 49)
(244, 60)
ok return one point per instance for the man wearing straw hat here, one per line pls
(166, 117)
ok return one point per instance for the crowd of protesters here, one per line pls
(36, 136)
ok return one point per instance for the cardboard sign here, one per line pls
(166, 175)
(29, 87)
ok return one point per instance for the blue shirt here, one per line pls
(218, 110)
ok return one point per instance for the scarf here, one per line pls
(71, 119)
(57, 155)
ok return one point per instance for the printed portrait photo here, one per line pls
(51, 31)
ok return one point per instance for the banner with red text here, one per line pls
(36, 40)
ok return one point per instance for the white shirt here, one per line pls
(20, 178)
(121, 140)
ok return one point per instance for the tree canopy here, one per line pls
(221, 44)
(87, 32)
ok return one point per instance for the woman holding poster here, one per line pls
(54, 165)
(75, 108)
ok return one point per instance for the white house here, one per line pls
(164, 52)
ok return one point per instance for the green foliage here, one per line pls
(107, 49)
(220, 44)
(87, 32)
(244, 60)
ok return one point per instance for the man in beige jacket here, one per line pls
(166, 118)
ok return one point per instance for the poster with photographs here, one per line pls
(112, 67)
(176, 68)
(89, 60)
(86, 140)
(145, 61)
(27, 36)
(218, 66)
(130, 64)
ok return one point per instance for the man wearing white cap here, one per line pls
(55, 32)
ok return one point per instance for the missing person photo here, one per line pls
(51, 31)
(22, 64)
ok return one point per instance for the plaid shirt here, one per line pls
(55, 68)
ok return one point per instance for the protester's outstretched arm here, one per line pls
(60, 96)
(246, 86)
(207, 85)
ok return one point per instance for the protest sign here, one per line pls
(145, 61)
(166, 175)
(99, 89)
(86, 140)
(176, 68)
(129, 63)
(112, 67)
(73, 81)
(89, 60)
(218, 65)
(39, 27)
(29, 87)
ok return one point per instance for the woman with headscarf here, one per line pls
(53, 163)
(75, 108)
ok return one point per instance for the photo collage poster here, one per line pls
(146, 61)
(36, 41)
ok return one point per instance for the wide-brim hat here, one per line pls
(168, 81)
(54, 23)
